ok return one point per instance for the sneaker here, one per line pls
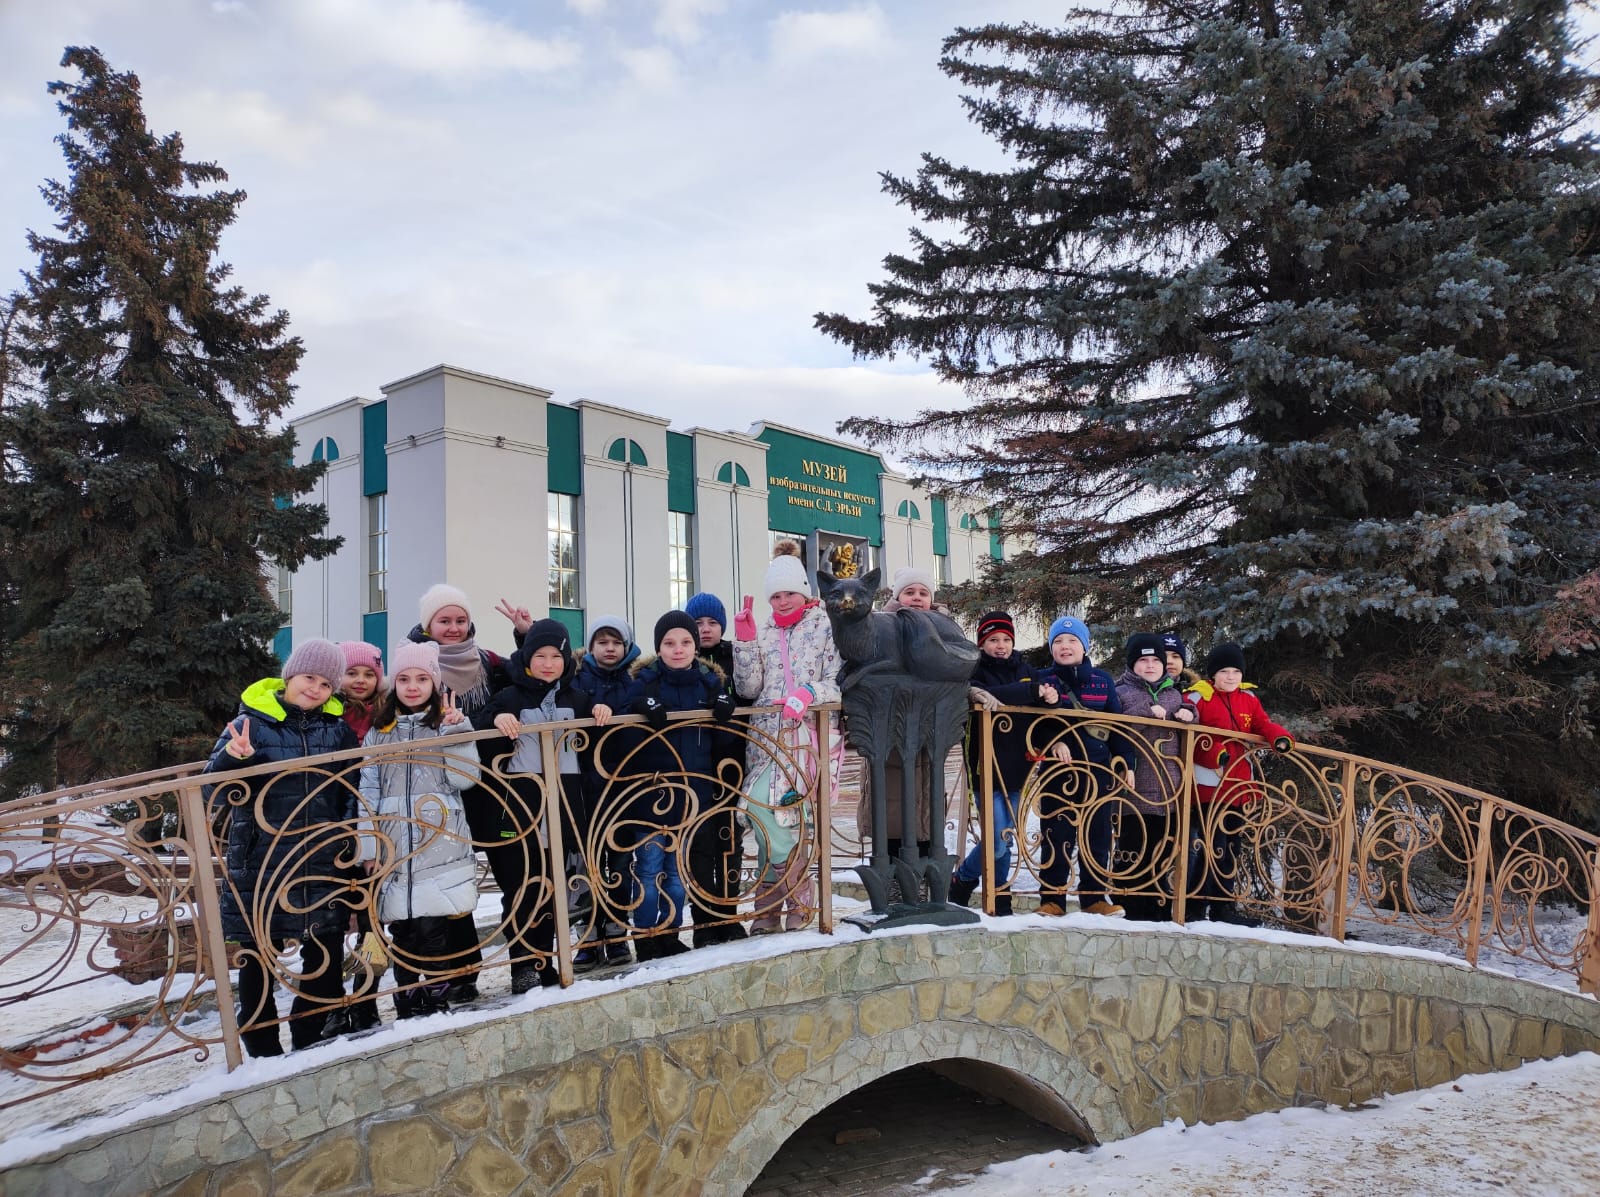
(1105, 908)
(1052, 910)
(616, 952)
(586, 959)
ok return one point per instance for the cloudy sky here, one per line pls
(641, 202)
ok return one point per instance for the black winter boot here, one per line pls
(524, 977)
(961, 890)
(1002, 905)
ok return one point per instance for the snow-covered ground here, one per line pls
(1534, 1130)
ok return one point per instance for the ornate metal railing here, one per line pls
(132, 879)
(1311, 839)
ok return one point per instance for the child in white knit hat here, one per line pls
(789, 661)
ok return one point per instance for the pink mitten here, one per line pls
(744, 623)
(798, 699)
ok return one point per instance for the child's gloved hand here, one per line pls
(653, 710)
(797, 702)
(722, 708)
(744, 620)
(1283, 744)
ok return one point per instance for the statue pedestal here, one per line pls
(917, 914)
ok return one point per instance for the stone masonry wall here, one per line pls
(691, 1085)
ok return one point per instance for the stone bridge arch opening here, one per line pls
(1033, 1081)
(925, 1124)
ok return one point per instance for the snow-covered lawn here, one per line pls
(1534, 1130)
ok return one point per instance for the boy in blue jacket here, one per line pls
(1083, 755)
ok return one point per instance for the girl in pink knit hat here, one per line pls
(362, 684)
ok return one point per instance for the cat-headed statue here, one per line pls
(904, 688)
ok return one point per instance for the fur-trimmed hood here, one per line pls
(700, 664)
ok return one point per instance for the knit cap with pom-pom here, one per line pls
(787, 571)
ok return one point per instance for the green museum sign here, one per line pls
(816, 485)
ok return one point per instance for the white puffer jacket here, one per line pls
(775, 662)
(416, 798)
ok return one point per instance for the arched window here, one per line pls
(733, 474)
(629, 451)
(970, 523)
(326, 449)
(908, 510)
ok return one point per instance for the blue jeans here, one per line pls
(1005, 825)
(655, 872)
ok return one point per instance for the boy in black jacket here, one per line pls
(716, 847)
(604, 677)
(540, 692)
(682, 756)
(1003, 678)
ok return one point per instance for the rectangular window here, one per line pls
(563, 523)
(680, 559)
(286, 595)
(377, 553)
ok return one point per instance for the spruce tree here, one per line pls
(1286, 314)
(141, 473)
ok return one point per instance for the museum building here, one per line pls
(584, 509)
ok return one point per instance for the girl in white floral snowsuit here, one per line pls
(790, 660)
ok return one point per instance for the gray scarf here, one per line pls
(464, 674)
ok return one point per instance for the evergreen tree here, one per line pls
(140, 471)
(1286, 312)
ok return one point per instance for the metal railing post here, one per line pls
(209, 941)
(553, 801)
(1186, 801)
(984, 796)
(1478, 879)
(1589, 960)
(1339, 906)
(824, 823)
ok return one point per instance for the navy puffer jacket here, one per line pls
(283, 864)
(681, 752)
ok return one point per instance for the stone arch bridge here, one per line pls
(689, 1084)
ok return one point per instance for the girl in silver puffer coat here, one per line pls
(422, 842)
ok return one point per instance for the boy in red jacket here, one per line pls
(1225, 782)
